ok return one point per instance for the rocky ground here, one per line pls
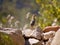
(30, 36)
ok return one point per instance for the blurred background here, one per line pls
(17, 13)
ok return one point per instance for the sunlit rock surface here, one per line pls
(33, 41)
(56, 40)
(35, 33)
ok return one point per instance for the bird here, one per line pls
(32, 23)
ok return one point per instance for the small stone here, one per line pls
(33, 41)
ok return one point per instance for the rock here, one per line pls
(48, 35)
(56, 39)
(49, 41)
(27, 32)
(51, 28)
(35, 33)
(12, 37)
(33, 41)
